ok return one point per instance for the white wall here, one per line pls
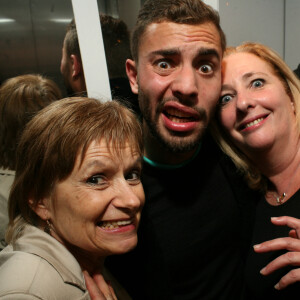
(274, 23)
(213, 3)
(253, 20)
(292, 33)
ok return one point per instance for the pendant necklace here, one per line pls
(280, 198)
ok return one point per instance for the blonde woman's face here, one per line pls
(255, 109)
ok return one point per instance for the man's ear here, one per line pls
(42, 208)
(131, 70)
(76, 66)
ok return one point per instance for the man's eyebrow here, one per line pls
(166, 52)
(176, 51)
(208, 52)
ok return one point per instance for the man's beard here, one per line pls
(178, 141)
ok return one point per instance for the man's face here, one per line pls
(178, 81)
(65, 70)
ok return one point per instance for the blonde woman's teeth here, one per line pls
(254, 122)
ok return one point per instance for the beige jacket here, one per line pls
(38, 267)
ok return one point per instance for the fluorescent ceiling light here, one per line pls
(6, 20)
(57, 20)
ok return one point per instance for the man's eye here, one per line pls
(257, 83)
(96, 179)
(225, 99)
(163, 65)
(205, 69)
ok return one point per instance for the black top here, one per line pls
(257, 285)
(193, 235)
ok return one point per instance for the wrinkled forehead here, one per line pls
(170, 34)
(116, 151)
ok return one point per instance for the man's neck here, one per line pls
(158, 153)
(162, 156)
(78, 86)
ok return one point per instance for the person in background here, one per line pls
(116, 41)
(196, 223)
(77, 198)
(258, 125)
(21, 97)
(297, 71)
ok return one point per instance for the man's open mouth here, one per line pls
(179, 116)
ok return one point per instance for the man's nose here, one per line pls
(185, 84)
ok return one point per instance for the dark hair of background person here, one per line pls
(116, 39)
(21, 97)
(178, 11)
(297, 71)
(54, 138)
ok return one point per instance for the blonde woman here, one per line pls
(258, 125)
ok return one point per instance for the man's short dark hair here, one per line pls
(192, 12)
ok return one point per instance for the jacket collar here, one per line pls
(37, 242)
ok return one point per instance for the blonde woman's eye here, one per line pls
(257, 83)
(225, 99)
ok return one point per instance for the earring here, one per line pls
(47, 228)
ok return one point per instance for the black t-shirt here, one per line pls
(257, 285)
(193, 236)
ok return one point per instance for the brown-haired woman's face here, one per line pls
(255, 109)
(98, 207)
